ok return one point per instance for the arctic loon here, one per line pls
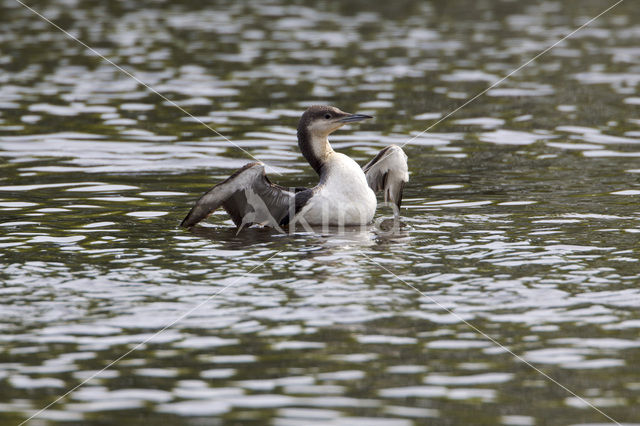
(344, 195)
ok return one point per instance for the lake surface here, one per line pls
(521, 217)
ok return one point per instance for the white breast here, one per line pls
(342, 198)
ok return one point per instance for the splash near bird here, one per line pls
(344, 195)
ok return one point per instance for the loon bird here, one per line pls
(343, 196)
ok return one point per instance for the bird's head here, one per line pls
(320, 120)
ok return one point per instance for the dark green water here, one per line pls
(521, 216)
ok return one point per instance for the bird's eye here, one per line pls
(327, 116)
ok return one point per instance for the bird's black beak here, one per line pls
(353, 117)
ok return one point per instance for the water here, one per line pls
(521, 216)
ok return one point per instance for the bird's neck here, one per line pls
(315, 148)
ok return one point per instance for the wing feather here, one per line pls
(388, 172)
(248, 197)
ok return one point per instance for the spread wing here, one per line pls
(388, 172)
(249, 198)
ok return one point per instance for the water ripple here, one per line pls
(520, 217)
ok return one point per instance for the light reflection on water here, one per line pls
(521, 215)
